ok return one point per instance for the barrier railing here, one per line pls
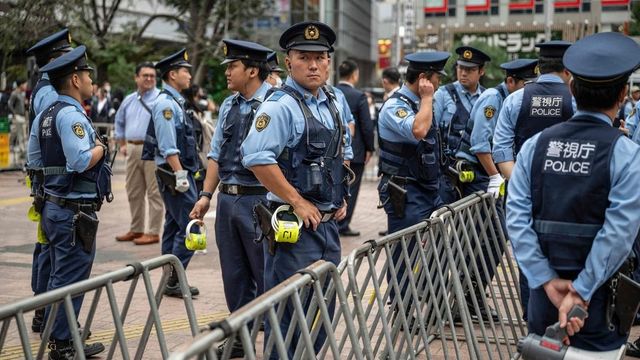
(310, 296)
(98, 285)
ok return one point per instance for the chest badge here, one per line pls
(262, 121)
(402, 113)
(167, 113)
(78, 130)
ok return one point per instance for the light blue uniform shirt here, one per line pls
(393, 127)
(285, 128)
(245, 108)
(77, 150)
(444, 107)
(45, 96)
(612, 243)
(132, 119)
(631, 122)
(506, 125)
(483, 127)
(166, 112)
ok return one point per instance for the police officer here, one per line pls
(241, 257)
(452, 105)
(274, 70)
(543, 103)
(42, 96)
(573, 199)
(411, 155)
(296, 148)
(474, 154)
(170, 141)
(77, 178)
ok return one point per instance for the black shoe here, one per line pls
(383, 232)
(633, 348)
(236, 351)
(174, 291)
(38, 321)
(349, 232)
(483, 312)
(63, 350)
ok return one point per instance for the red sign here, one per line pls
(520, 4)
(436, 6)
(567, 4)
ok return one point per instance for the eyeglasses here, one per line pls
(148, 76)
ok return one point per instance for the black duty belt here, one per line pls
(242, 190)
(75, 204)
(326, 215)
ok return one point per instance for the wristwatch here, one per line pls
(205, 193)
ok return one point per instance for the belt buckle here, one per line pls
(327, 216)
(233, 189)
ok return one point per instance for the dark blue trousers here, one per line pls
(69, 262)
(241, 257)
(447, 192)
(323, 244)
(40, 269)
(594, 336)
(176, 218)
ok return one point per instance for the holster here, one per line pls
(624, 297)
(38, 203)
(167, 178)
(397, 196)
(263, 215)
(85, 228)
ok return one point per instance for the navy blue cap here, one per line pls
(173, 61)
(428, 61)
(272, 62)
(58, 42)
(243, 50)
(74, 60)
(553, 48)
(521, 68)
(603, 58)
(308, 36)
(470, 57)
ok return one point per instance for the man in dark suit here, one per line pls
(361, 138)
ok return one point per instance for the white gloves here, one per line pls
(182, 183)
(495, 182)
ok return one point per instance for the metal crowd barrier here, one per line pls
(314, 329)
(99, 284)
(418, 292)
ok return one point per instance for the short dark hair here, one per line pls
(146, 64)
(413, 74)
(392, 74)
(165, 76)
(263, 68)
(60, 83)
(596, 97)
(549, 65)
(347, 68)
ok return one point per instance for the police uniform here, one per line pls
(307, 137)
(241, 256)
(170, 132)
(573, 199)
(405, 162)
(42, 96)
(61, 142)
(452, 106)
(540, 104)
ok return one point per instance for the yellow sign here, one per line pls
(4, 150)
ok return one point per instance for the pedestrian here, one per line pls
(17, 108)
(573, 200)
(170, 141)
(131, 123)
(196, 103)
(76, 181)
(102, 111)
(306, 176)
(390, 81)
(43, 95)
(474, 156)
(452, 106)
(361, 140)
(241, 256)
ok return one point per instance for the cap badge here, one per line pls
(186, 56)
(69, 37)
(467, 54)
(224, 49)
(311, 33)
(536, 70)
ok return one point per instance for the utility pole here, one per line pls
(548, 19)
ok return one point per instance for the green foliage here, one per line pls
(216, 84)
(634, 25)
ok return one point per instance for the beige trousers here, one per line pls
(141, 180)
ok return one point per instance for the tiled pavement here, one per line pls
(16, 245)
